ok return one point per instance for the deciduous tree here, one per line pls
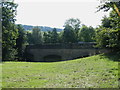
(54, 36)
(68, 35)
(9, 30)
(86, 34)
(36, 35)
(20, 42)
(75, 25)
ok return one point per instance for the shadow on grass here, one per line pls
(58, 59)
(113, 56)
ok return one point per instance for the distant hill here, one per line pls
(43, 28)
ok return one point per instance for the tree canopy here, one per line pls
(9, 30)
(108, 34)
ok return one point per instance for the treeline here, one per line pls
(15, 38)
(68, 35)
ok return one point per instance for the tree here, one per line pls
(20, 42)
(108, 34)
(112, 21)
(45, 37)
(110, 4)
(36, 35)
(68, 35)
(86, 34)
(29, 37)
(54, 36)
(108, 38)
(114, 14)
(9, 30)
(91, 34)
(75, 25)
(106, 22)
(60, 37)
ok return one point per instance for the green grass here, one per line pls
(100, 71)
(0, 75)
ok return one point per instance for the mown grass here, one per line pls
(100, 71)
(0, 75)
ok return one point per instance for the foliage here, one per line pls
(107, 5)
(112, 21)
(47, 37)
(75, 25)
(100, 71)
(108, 34)
(68, 35)
(9, 30)
(54, 36)
(51, 36)
(20, 42)
(60, 37)
(34, 37)
(29, 38)
(106, 22)
(86, 34)
(108, 38)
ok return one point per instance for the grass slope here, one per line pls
(0, 75)
(100, 71)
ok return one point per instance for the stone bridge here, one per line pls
(60, 52)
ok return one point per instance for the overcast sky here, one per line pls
(54, 13)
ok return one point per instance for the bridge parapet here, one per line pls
(63, 46)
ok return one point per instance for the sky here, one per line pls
(54, 13)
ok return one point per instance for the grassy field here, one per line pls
(0, 75)
(100, 71)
